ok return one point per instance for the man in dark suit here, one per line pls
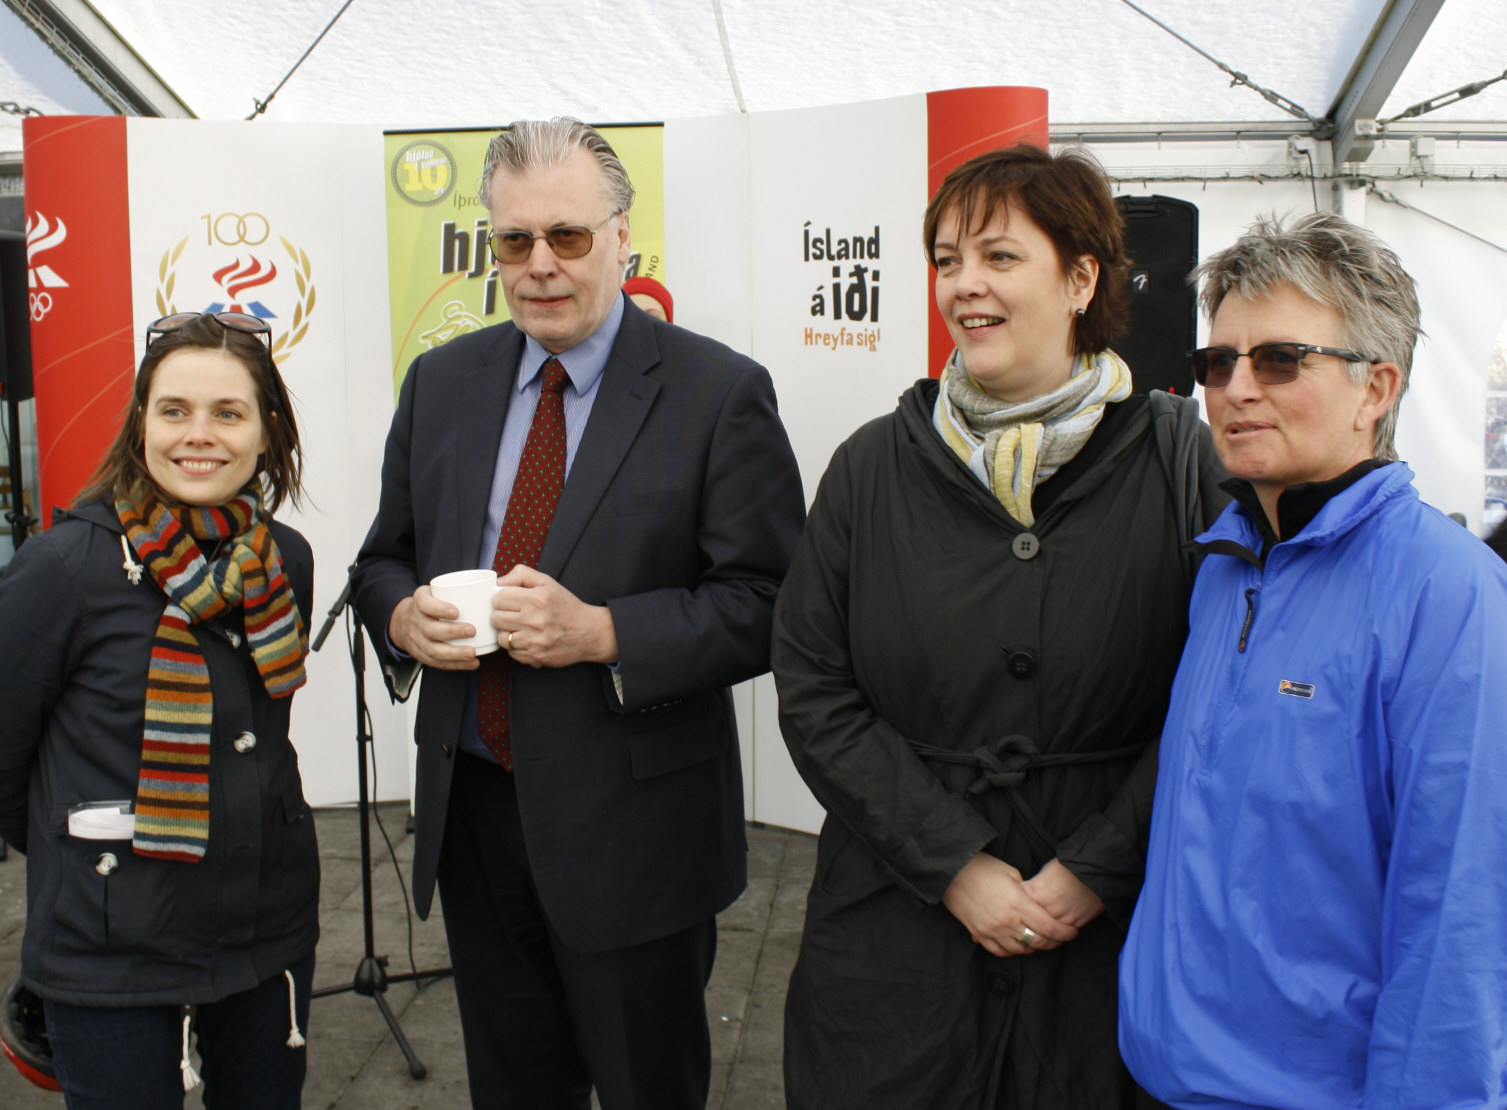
(579, 793)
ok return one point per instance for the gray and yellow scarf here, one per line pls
(1011, 447)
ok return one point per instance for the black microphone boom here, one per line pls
(335, 610)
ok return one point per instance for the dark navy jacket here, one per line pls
(681, 513)
(75, 640)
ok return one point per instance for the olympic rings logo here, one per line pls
(234, 229)
(40, 305)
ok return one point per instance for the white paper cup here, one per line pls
(471, 591)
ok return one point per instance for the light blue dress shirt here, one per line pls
(584, 364)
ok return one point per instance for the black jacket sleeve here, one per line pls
(678, 641)
(1107, 852)
(861, 769)
(40, 613)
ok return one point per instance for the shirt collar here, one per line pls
(584, 363)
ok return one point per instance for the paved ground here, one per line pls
(354, 1063)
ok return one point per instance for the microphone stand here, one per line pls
(20, 520)
(371, 978)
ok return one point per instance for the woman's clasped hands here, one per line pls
(1011, 916)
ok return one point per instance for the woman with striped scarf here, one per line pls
(151, 642)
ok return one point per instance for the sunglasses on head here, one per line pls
(570, 241)
(240, 321)
(1271, 363)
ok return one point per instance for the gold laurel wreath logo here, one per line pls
(303, 311)
(167, 277)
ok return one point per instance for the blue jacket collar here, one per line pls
(1343, 511)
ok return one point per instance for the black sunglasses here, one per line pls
(570, 241)
(240, 321)
(1272, 363)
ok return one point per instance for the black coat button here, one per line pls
(1026, 546)
(1001, 983)
(1022, 664)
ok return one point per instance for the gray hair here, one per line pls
(533, 144)
(1342, 266)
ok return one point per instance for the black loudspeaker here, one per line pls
(15, 324)
(1161, 237)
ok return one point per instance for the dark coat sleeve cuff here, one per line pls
(1106, 862)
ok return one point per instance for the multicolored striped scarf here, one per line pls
(172, 792)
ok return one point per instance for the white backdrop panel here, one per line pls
(240, 194)
(858, 171)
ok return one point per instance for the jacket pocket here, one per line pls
(621, 503)
(675, 736)
(111, 900)
(288, 900)
(294, 806)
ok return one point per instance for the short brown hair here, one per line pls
(1068, 196)
(123, 471)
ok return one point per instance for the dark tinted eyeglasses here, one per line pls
(240, 321)
(1271, 363)
(571, 241)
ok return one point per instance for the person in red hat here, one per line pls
(652, 297)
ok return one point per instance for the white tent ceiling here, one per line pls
(444, 62)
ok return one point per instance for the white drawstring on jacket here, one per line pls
(295, 1038)
(132, 568)
(190, 1077)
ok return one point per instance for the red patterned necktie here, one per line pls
(531, 507)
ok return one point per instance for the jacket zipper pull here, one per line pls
(1250, 615)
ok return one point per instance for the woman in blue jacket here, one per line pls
(1321, 924)
(151, 642)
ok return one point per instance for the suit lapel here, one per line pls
(623, 401)
(486, 390)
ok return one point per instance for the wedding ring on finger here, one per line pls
(1029, 937)
(510, 642)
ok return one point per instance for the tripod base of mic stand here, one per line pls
(371, 979)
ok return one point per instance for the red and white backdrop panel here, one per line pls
(78, 238)
(130, 219)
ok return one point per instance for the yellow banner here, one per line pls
(441, 279)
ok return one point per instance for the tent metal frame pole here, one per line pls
(95, 50)
(1275, 130)
(1391, 46)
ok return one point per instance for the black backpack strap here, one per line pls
(1175, 424)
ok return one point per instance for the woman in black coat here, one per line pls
(973, 650)
(152, 640)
